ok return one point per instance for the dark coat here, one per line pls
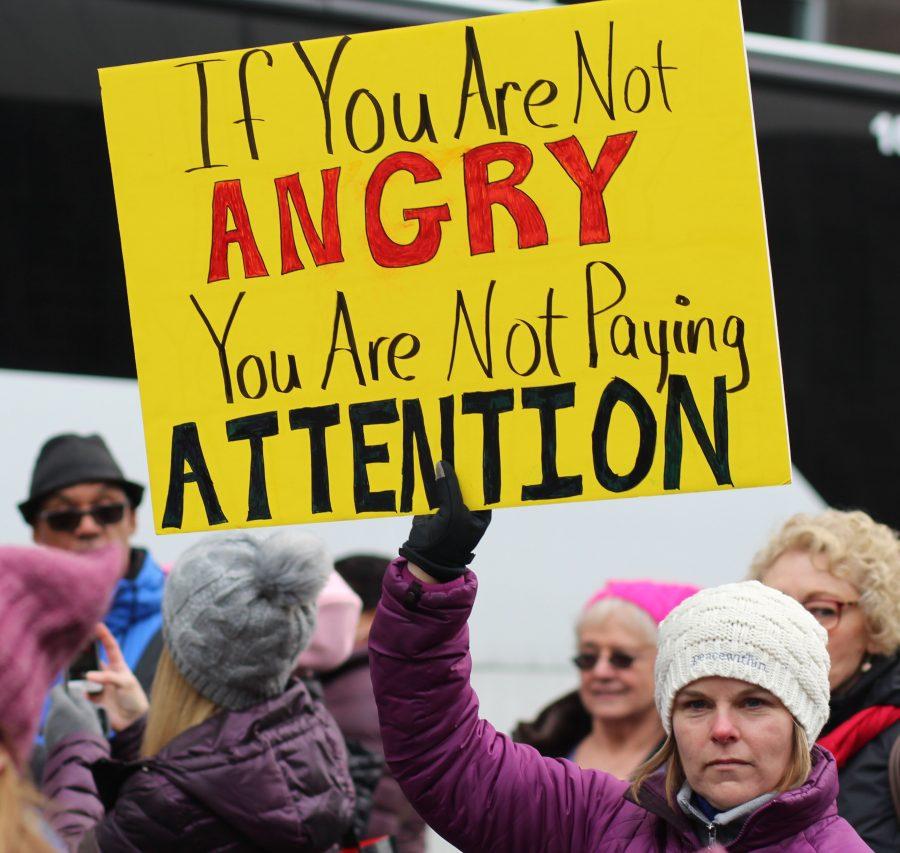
(350, 699)
(558, 729)
(273, 777)
(482, 792)
(865, 797)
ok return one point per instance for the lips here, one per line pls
(728, 762)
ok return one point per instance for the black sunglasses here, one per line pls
(617, 660)
(68, 520)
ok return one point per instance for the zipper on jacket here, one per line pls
(710, 826)
(740, 834)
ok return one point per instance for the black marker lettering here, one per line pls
(547, 400)
(317, 419)
(253, 429)
(490, 405)
(186, 450)
(361, 416)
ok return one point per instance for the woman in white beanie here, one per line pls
(233, 754)
(741, 689)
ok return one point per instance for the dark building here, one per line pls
(828, 126)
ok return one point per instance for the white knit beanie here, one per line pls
(752, 633)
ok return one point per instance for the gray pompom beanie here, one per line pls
(238, 609)
(752, 633)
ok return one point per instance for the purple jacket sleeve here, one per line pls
(69, 784)
(126, 745)
(476, 787)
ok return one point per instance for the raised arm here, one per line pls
(472, 784)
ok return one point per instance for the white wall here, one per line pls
(537, 565)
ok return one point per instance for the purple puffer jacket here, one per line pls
(351, 701)
(483, 792)
(273, 777)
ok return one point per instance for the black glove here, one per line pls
(441, 544)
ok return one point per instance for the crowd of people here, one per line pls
(256, 695)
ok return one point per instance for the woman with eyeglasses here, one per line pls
(741, 687)
(844, 568)
(610, 722)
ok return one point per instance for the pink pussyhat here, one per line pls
(654, 597)
(50, 603)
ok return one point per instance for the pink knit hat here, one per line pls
(50, 601)
(654, 597)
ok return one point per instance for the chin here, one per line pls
(610, 710)
(727, 795)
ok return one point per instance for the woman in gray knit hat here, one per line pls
(232, 754)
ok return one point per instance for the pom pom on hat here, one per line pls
(751, 633)
(238, 609)
(292, 569)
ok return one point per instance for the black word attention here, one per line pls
(189, 466)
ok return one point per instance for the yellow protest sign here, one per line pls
(530, 244)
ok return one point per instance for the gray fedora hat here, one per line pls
(68, 459)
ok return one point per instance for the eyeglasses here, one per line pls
(68, 520)
(827, 612)
(586, 661)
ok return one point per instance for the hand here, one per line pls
(70, 712)
(122, 696)
(441, 544)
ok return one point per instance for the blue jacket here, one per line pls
(135, 616)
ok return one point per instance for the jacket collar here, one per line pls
(879, 686)
(721, 828)
(735, 815)
(653, 798)
(136, 559)
(138, 595)
(769, 824)
(228, 730)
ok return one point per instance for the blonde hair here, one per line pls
(636, 617)
(20, 808)
(859, 551)
(175, 706)
(795, 774)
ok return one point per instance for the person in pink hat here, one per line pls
(610, 722)
(50, 604)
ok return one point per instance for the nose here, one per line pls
(603, 668)
(723, 727)
(87, 527)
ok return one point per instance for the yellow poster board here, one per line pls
(531, 244)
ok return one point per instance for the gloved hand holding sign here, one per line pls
(441, 544)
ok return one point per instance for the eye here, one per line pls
(694, 704)
(821, 611)
(754, 702)
(585, 661)
(620, 660)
